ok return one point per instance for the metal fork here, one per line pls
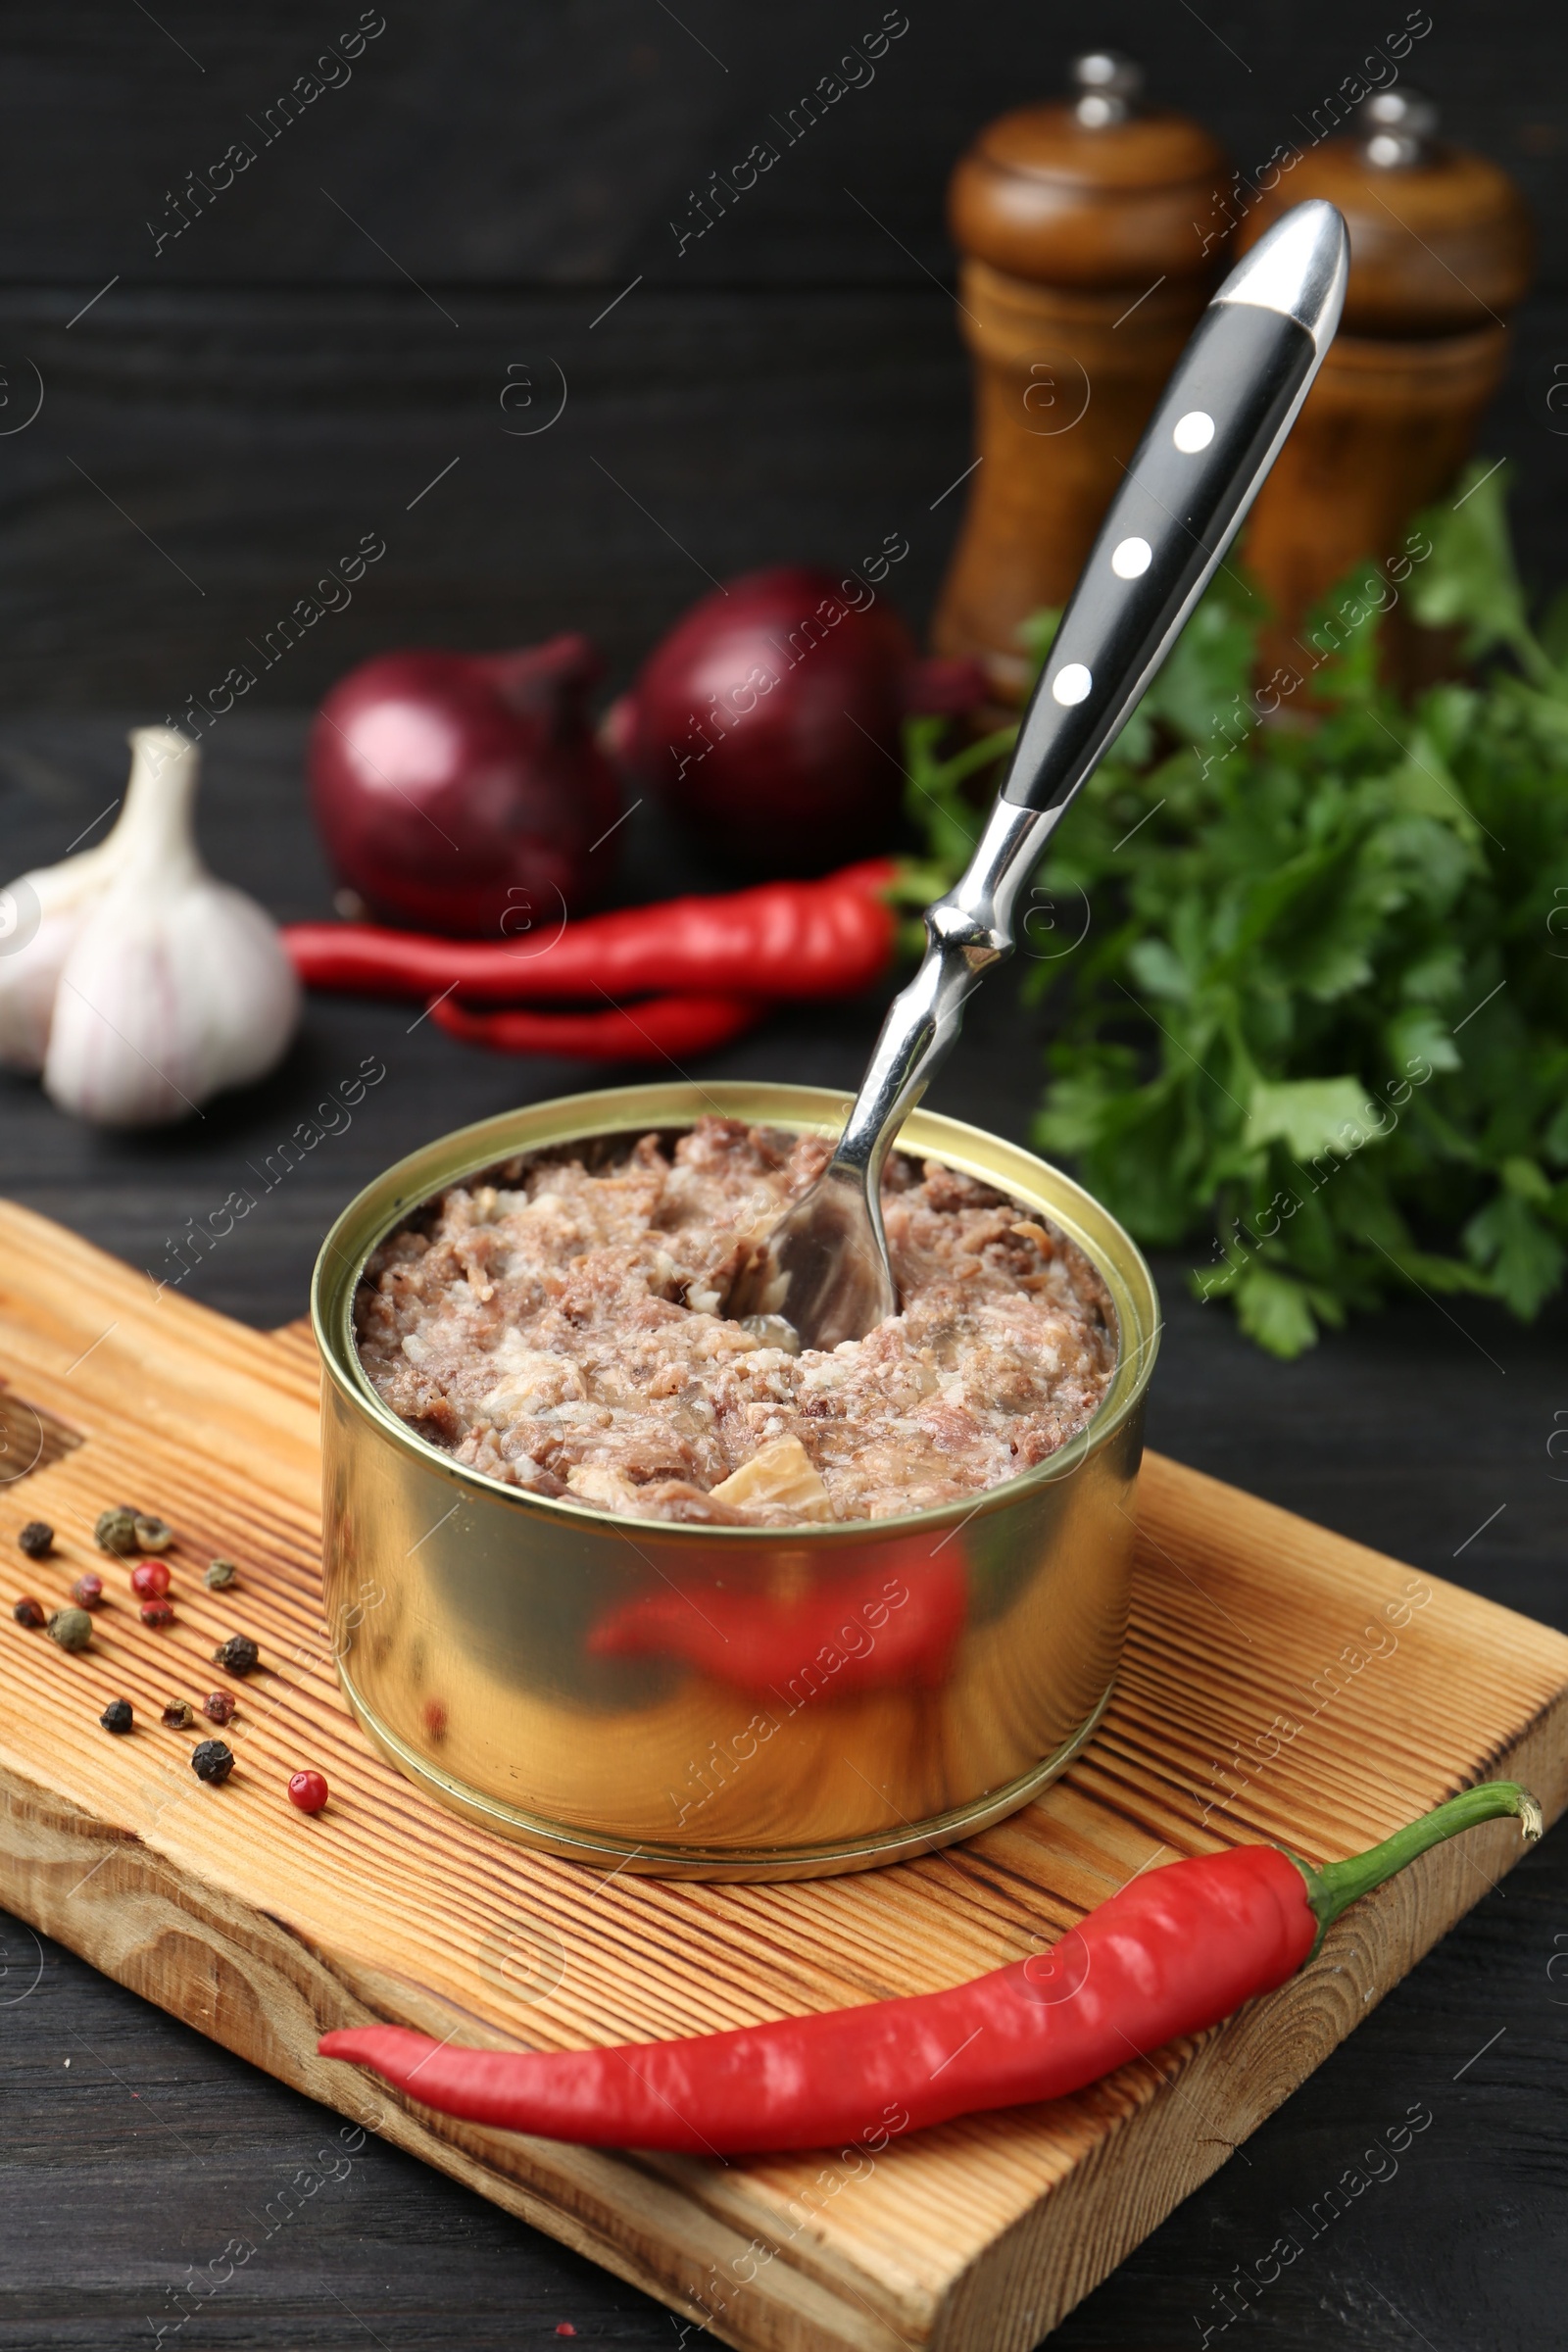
(1231, 401)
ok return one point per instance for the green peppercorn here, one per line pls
(71, 1627)
(238, 1653)
(37, 1539)
(211, 1760)
(152, 1532)
(179, 1713)
(116, 1530)
(27, 1611)
(118, 1716)
(219, 1574)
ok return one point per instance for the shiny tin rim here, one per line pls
(747, 1865)
(466, 1151)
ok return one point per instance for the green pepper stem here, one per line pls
(1334, 1887)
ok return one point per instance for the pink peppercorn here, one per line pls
(217, 1707)
(88, 1591)
(156, 1612)
(308, 1791)
(149, 1580)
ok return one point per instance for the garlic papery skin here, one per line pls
(175, 986)
(41, 915)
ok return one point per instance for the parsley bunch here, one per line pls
(1318, 1023)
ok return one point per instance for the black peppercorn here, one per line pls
(27, 1611)
(211, 1760)
(217, 1706)
(118, 1715)
(37, 1539)
(238, 1653)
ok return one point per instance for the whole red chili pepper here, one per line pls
(653, 1029)
(860, 1633)
(1177, 1949)
(783, 940)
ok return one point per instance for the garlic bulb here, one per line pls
(40, 915)
(173, 986)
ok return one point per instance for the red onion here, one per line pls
(464, 791)
(769, 717)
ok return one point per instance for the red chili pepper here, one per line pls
(791, 940)
(860, 1634)
(1175, 1951)
(653, 1029)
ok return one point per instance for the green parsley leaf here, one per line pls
(1317, 1027)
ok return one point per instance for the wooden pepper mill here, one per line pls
(1082, 277)
(1440, 254)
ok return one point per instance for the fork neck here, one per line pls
(967, 932)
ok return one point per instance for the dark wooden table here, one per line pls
(485, 202)
(134, 2148)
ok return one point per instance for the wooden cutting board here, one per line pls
(1279, 1683)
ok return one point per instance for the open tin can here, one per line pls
(901, 1683)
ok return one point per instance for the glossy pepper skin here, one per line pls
(1175, 1951)
(653, 1029)
(783, 940)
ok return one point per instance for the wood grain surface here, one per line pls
(1279, 1683)
(338, 326)
(793, 382)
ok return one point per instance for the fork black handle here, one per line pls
(1218, 428)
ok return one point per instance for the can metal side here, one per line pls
(724, 1703)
